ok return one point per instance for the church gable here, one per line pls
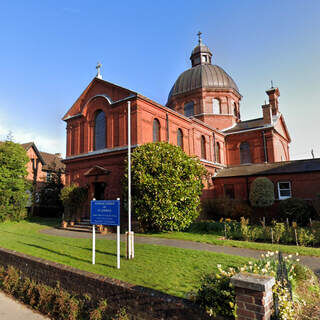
(281, 128)
(97, 87)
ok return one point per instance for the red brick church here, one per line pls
(202, 116)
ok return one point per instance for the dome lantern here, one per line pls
(201, 54)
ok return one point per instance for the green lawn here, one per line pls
(171, 270)
(216, 239)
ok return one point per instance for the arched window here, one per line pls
(203, 147)
(216, 106)
(156, 130)
(218, 155)
(100, 130)
(245, 155)
(180, 138)
(235, 112)
(189, 109)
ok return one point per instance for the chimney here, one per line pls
(267, 113)
(274, 94)
(58, 155)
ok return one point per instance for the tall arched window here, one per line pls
(216, 106)
(203, 147)
(218, 155)
(189, 109)
(245, 155)
(156, 130)
(180, 138)
(235, 112)
(100, 130)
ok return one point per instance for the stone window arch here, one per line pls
(180, 138)
(203, 147)
(245, 154)
(156, 130)
(216, 106)
(188, 109)
(218, 152)
(99, 130)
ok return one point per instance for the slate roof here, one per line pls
(294, 166)
(52, 162)
(250, 124)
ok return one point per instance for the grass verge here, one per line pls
(171, 270)
(216, 240)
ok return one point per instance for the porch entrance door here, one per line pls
(99, 190)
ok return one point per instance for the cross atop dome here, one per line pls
(199, 36)
(98, 67)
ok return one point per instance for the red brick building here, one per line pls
(202, 115)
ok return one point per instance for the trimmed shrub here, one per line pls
(166, 186)
(261, 193)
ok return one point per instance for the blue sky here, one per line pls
(49, 50)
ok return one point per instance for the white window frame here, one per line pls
(290, 189)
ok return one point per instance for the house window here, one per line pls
(245, 155)
(48, 176)
(180, 138)
(216, 106)
(203, 147)
(218, 158)
(100, 130)
(189, 109)
(229, 191)
(284, 190)
(156, 130)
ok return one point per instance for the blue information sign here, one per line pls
(105, 212)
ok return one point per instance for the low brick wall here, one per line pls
(140, 302)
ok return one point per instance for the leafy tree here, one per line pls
(50, 193)
(166, 186)
(13, 183)
(261, 193)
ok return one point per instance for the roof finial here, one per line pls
(98, 67)
(199, 36)
(271, 84)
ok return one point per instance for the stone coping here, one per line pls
(253, 281)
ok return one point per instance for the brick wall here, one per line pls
(140, 302)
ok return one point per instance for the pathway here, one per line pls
(311, 262)
(10, 309)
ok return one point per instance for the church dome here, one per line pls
(202, 74)
(205, 76)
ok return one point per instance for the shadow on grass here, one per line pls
(25, 235)
(49, 222)
(68, 255)
(73, 257)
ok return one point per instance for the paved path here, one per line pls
(10, 309)
(311, 262)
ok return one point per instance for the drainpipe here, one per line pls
(167, 118)
(265, 147)
(214, 147)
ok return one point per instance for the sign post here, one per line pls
(106, 213)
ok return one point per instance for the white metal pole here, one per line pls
(93, 244)
(118, 247)
(129, 179)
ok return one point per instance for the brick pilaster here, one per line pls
(253, 296)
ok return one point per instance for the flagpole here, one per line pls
(130, 248)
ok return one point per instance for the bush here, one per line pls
(295, 209)
(73, 198)
(166, 186)
(261, 193)
(13, 183)
(55, 302)
(225, 208)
